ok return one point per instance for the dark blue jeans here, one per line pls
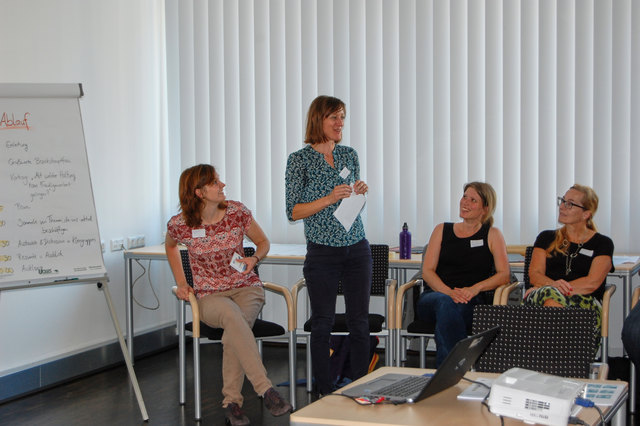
(451, 319)
(631, 335)
(324, 268)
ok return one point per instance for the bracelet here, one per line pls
(257, 258)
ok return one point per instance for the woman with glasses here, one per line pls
(569, 265)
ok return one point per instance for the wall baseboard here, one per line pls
(56, 372)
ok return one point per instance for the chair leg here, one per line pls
(423, 352)
(309, 372)
(196, 377)
(181, 352)
(605, 350)
(388, 350)
(398, 347)
(292, 368)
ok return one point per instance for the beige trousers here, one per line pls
(236, 311)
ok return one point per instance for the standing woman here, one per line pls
(462, 261)
(318, 176)
(569, 265)
(213, 228)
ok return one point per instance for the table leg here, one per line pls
(128, 279)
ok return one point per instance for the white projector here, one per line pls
(534, 397)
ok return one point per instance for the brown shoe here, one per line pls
(234, 415)
(275, 403)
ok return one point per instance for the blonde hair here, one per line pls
(590, 202)
(489, 199)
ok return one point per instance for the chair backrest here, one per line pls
(380, 255)
(186, 265)
(549, 340)
(527, 261)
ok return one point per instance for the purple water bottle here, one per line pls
(405, 242)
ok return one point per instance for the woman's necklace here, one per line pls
(570, 256)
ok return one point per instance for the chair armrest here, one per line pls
(195, 311)
(195, 314)
(391, 284)
(295, 291)
(635, 297)
(606, 302)
(497, 294)
(284, 292)
(506, 292)
(397, 322)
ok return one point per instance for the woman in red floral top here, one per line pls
(213, 229)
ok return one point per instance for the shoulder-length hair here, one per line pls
(590, 202)
(489, 199)
(196, 177)
(321, 108)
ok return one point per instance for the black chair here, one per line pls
(609, 290)
(202, 333)
(424, 330)
(379, 324)
(544, 339)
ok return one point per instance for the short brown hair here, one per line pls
(321, 108)
(193, 178)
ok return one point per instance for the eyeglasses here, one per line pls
(569, 204)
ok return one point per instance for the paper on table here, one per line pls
(349, 209)
(619, 260)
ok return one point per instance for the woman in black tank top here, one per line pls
(462, 260)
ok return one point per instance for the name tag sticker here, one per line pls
(235, 264)
(344, 173)
(477, 243)
(586, 252)
(198, 233)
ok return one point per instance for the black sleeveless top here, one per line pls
(464, 261)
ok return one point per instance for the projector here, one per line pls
(534, 397)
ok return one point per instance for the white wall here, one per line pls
(115, 49)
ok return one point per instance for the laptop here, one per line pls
(401, 388)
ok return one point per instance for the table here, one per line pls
(293, 254)
(279, 254)
(442, 408)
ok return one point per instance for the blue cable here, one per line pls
(583, 402)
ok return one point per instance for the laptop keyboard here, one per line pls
(405, 387)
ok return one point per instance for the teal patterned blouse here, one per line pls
(309, 177)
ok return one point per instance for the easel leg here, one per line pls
(125, 351)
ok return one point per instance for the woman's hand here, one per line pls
(340, 192)
(463, 294)
(250, 262)
(183, 292)
(564, 287)
(360, 187)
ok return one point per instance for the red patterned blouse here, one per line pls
(210, 255)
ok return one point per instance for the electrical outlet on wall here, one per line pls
(135, 241)
(117, 244)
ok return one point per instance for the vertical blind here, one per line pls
(530, 96)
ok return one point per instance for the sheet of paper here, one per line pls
(619, 260)
(349, 209)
